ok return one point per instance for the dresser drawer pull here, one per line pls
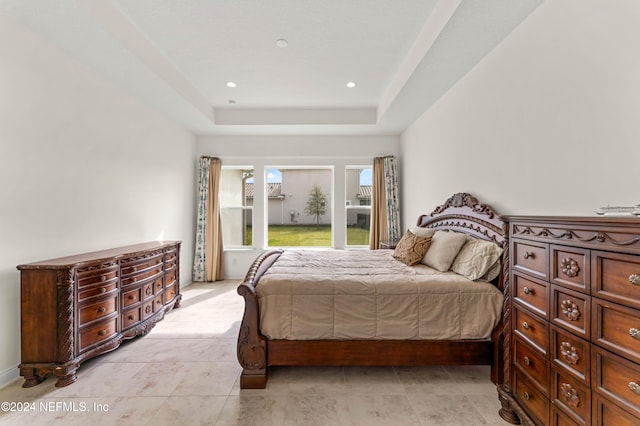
(103, 278)
(527, 361)
(569, 353)
(570, 310)
(131, 317)
(526, 325)
(635, 333)
(634, 387)
(101, 310)
(102, 332)
(527, 255)
(103, 290)
(525, 395)
(526, 290)
(634, 279)
(570, 395)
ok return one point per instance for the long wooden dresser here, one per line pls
(573, 350)
(77, 307)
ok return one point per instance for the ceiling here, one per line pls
(178, 55)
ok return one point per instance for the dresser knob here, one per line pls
(102, 310)
(527, 255)
(634, 279)
(103, 290)
(525, 395)
(103, 278)
(526, 290)
(527, 361)
(131, 318)
(634, 387)
(102, 332)
(525, 325)
(635, 333)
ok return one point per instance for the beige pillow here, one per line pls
(411, 248)
(476, 258)
(493, 272)
(423, 232)
(443, 249)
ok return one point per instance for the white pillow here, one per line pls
(476, 258)
(443, 249)
(419, 231)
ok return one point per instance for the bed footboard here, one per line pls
(252, 345)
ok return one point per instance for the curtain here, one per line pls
(393, 203)
(208, 262)
(385, 211)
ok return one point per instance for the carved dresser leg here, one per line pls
(31, 377)
(253, 379)
(506, 412)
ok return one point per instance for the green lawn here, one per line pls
(310, 236)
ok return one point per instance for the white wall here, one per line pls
(267, 151)
(83, 166)
(548, 123)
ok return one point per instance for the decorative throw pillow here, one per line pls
(423, 232)
(476, 258)
(411, 248)
(493, 272)
(443, 250)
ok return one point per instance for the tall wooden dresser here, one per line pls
(573, 350)
(77, 307)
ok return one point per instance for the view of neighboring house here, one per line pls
(287, 199)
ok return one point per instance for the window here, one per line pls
(358, 204)
(236, 201)
(299, 206)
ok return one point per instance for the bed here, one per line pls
(377, 307)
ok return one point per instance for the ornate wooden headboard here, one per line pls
(463, 213)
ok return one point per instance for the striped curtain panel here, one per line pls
(385, 204)
(208, 262)
(393, 200)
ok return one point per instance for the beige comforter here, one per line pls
(336, 294)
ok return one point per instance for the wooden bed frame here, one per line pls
(462, 213)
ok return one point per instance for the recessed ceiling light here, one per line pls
(231, 84)
(351, 84)
(282, 43)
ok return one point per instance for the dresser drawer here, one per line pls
(531, 398)
(572, 396)
(617, 328)
(170, 292)
(531, 257)
(131, 297)
(531, 293)
(571, 267)
(571, 353)
(88, 292)
(559, 418)
(106, 273)
(606, 413)
(532, 329)
(571, 310)
(616, 378)
(97, 310)
(147, 309)
(130, 318)
(531, 362)
(153, 273)
(98, 333)
(616, 277)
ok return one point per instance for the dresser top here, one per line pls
(596, 220)
(97, 256)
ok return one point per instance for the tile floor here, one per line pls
(185, 372)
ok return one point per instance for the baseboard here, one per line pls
(8, 376)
